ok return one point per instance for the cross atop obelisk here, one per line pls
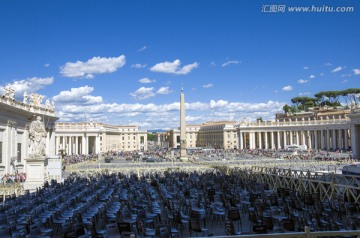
(183, 156)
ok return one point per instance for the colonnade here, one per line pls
(325, 139)
(76, 145)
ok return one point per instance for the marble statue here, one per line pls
(36, 99)
(47, 104)
(25, 100)
(9, 92)
(37, 135)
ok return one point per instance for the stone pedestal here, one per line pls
(35, 169)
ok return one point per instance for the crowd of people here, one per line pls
(13, 178)
(73, 159)
(167, 155)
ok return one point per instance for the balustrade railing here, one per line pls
(27, 107)
(294, 123)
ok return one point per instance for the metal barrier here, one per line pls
(306, 234)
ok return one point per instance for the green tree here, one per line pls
(303, 103)
(351, 95)
(150, 137)
(287, 108)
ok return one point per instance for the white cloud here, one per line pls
(306, 67)
(287, 88)
(230, 62)
(344, 81)
(301, 81)
(29, 85)
(346, 75)
(164, 116)
(356, 71)
(79, 95)
(312, 76)
(219, 103)
(96, 65)
(304, 93)
(92, 99)
(328, 64)
(142, 48)
(321, 74)
(163, 90)
(337, 69)
(143, 93)
(212, 64)
(46, 65)
(174, 67)
(210, 85)
(147, 80)
(138, 66)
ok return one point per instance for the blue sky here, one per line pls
(124, 62)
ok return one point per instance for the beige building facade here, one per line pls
(15, 122)
(94, 137)
(335, 131)
(173, 136)
(219, 135)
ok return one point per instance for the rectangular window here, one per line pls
(19, 152)
(0, 152)
(134, 138)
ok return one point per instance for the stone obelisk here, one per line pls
(183, 156)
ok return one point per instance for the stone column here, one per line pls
(340, 143)
(316, 139)
(76, 145)
(328, 139)
(83, 145)
(322, 139)
(57, 146)
(309, 141)
(97, 144)
(241, 141)
(291, 137)
(86, 144)
(346, 139)
(304, 142)
(334, 139)
(278, 139)
(252, 140)
(285, 139)
(266, 140)
(355, 137)
(297, 137)
(272, 141)
(53, 142)
(260, 140)
(70, 145)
